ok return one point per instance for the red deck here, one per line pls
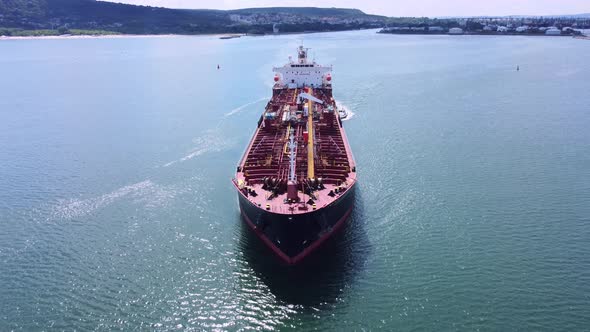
(264, 170)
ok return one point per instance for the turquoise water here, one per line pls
(117, 211)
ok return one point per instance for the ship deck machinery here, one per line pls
(296, 179)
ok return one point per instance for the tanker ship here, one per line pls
(296, 179)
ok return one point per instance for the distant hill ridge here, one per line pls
(315, 11)
(124, 18)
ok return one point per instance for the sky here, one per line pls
(431, 8)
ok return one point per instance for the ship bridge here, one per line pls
(303, 72)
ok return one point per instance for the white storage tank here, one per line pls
(455, 31)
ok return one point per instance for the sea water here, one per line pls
(117, 210)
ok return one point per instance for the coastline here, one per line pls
(223, 36)
(108, 36)
(226, 36)
(479, 34)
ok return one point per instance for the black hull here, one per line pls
(293, 237)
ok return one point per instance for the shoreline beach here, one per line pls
(103, 36)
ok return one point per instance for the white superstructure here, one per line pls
(300, 73)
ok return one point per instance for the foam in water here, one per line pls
(241, 108)
(211, 141)
(350, 113)
(145, 192)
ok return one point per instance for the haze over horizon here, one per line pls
(430, 8)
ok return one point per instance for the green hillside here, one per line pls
(65, 15)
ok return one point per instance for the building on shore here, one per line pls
(553, 31)
(455, 31)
